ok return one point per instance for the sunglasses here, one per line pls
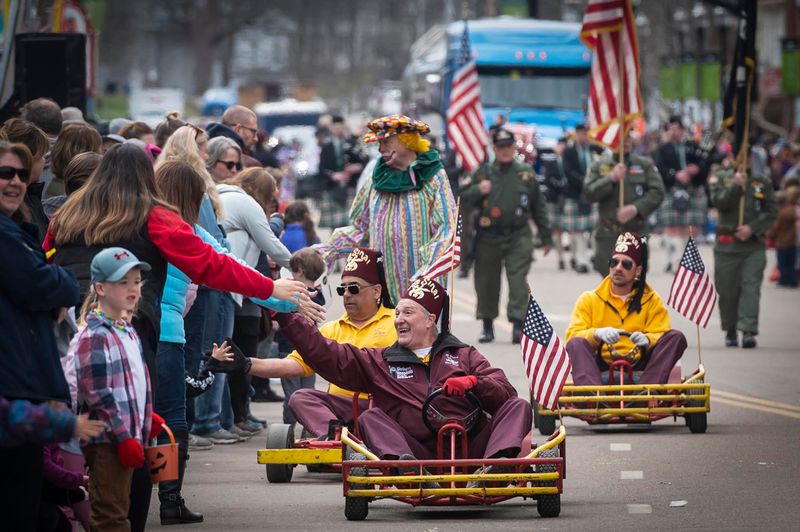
(230, 165)
(352, 288)
(627, 264)
(7, 173)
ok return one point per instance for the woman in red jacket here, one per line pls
(120, 206)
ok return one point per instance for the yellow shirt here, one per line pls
(601, 308)
(379, 331)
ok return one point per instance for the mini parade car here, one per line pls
(320, 455)
(622, 400)
(537, 473)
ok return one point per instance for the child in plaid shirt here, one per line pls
(113, 386)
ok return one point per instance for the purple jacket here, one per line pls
(54, 471)
(399, 381)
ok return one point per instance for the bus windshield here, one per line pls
(542, 88)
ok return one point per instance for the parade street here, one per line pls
(742, 474)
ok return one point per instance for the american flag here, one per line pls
(450, 259)
(606, 24)
(546, 361)
(465, 127)
(692, 292)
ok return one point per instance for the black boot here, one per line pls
(517, 332)
(748, 340)
(487, 335)
(731, 339)
(173, 507)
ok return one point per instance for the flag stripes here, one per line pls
(450, 259)
(544, 357)
(692, 292)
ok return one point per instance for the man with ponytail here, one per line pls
(623, 302)
(405, 209)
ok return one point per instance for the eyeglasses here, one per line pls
(353, 288)
(197, 130)
(230, 165)
(253, 130)
(627, 264)
(7, 173)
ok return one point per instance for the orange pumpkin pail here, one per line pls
(163, 459)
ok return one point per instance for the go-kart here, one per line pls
(283, 453)
(622, 400)
(537, 473)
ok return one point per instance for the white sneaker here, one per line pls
(196, 443)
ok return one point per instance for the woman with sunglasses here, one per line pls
(224, 159)
(368, 321)
(32, 294)
(623, 302)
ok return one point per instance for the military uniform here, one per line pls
(643, 188)
(739, 266)
(504, 234)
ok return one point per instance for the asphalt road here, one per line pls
(742, 474)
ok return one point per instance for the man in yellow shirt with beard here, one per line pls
(368, 321)
(623, 302)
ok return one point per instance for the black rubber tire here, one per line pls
(548, 505)
(697, 422)
(280, 436)
(545, 424)
(356, 508)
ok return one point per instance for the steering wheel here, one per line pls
(631, 356)
(469, 421)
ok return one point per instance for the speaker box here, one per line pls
(51, 65)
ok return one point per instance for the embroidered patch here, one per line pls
(402, 372)
(451, 360)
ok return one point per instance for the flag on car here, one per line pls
(738, 94)
(607, 26)
(692, 292)
(450, 259)
(465, 127)
(546, 361)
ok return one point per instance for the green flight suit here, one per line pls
(644, 188)
(504, 235)
(739, 266)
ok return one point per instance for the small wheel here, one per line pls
(356, 508)
(548, 505)
(697, 422)
(545, 424)
(280, 436)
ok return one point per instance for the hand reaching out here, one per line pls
(86, 428)
(222, 352)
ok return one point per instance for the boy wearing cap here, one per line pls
(507, 194)
(623, 302)
(405, 209)
(114, 386)
(402, 376)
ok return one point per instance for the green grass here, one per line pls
(108, 106)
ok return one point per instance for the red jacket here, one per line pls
(398, 381)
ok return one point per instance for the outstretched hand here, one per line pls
(86, 428)
(312, 311)
(288, 290)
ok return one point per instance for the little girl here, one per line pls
(113, 386)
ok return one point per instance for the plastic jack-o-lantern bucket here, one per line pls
(163, 460)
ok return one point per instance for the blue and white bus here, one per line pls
(533, 72)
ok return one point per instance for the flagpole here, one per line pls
(621, 113)
(452, 264)
(742, 155)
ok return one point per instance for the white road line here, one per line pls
(619, 447)
(631, 475)
(640, 509)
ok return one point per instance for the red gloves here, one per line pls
(156, 425)
(458, 386)
(130, 454)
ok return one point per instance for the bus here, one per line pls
(535, 73)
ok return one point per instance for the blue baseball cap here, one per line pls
(112, 264)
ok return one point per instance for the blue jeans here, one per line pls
(218, 325)
(169, 399)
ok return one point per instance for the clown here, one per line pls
(405, 209)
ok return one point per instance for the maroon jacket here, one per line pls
(398, 381)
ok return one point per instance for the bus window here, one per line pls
(543, 88)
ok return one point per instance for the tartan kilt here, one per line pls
(554, 212)
(572, 221)
(695, 215)
(333, 214)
